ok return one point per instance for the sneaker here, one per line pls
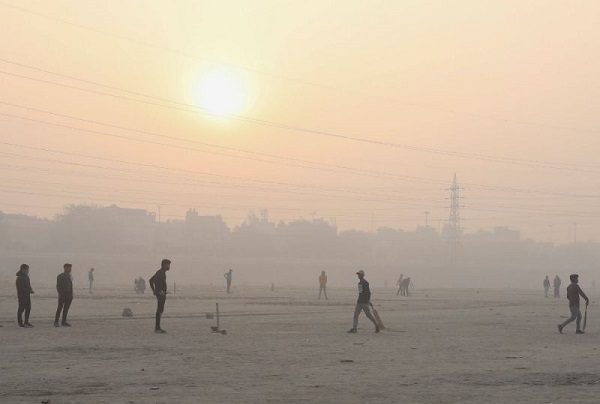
(579, 332)
(21, 325)
(28, 325)
(376, 328)
(560, 328)
(56, 324)
(160, 331)
(65, 324)
(352, 331)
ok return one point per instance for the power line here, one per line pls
(185, 107)
(421, 179)
(347, 169)
(318, 188)
(295, 79)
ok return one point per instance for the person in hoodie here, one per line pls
(24, 293)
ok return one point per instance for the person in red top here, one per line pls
(573, 293)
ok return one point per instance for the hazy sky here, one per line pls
(360, 111)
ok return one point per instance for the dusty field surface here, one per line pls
(441, 346)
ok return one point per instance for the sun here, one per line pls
(221, 92)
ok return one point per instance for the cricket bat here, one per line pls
(378, 319)
(585, 317)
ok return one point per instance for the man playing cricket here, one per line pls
(158, 283)
(573, 293)
(363, 302)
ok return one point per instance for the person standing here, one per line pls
(399, 283)
(573, 293)
(323, 285)
(546, 286)
(363, 302)
(64, 287)
(557, 283)
(158, 283)
(91, 279)
(229, 277)
(142, 286)
(24, 293)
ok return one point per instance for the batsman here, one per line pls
(573, 293)
(363, 302)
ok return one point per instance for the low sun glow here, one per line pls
(221, 92)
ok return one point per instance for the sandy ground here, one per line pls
(441, 346)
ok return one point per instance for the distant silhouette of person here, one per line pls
(91, 279)
(140, 285)
(64, 287)
(399, 283)
(557, 283)
(403, 286)
(158, 283)
(573, 293)
(546, 286)
(24, 293)
(363, 302)
(323, 285)
(228, 278)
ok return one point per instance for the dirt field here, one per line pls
(441, 346)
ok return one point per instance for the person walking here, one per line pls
(546, 286)
(557, 283)
(363, 302)
(228, 278)
(573, 293)
(323, 285)
(91, 279)
(64, 287)
(158, 283)
(24, 293)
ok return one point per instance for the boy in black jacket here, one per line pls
(24, 293)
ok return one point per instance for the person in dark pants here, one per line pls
(91, 279)
(573, 293)
(546, 284)
(557, 283)
(323, 285)
(158, 283)
(64, 286)
(364, 300)
(24, 293)
(229, 277)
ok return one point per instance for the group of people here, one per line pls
(64, 287)
(557, 282)
(158, 284)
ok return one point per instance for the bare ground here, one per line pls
(441, 346)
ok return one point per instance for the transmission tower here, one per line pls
(454, 228)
